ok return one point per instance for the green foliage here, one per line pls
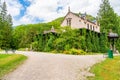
(66, 38)
(56, 23)
(103, 43)
(107, 17)
(24, 49)
(5, 27)
(75, 52)
(89, 42)
(49, 45)
(26, 34)
(83, 43)
(91, 18)
(35, 45)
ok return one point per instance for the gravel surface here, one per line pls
(46, 66)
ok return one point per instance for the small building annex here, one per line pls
(79, 22)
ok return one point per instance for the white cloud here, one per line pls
(13, 7)
(42, 8)
(116, 5)
(46, 9)
(23, 20)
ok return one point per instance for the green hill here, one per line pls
(56, 23)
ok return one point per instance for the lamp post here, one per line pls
(112, 37)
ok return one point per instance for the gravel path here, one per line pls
(43, 66)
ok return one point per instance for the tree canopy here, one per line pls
(5, 27)
(107, 17)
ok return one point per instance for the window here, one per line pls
(96, 27)
(88, 26)
(69, 21)
(91, 27)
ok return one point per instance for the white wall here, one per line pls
(77, 22)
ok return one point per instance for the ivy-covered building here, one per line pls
(80, 21)
(81, 33)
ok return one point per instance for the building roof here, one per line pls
(82, 17)
(50, 31)
(113, 35)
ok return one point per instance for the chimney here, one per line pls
(85, 15)
(69, 9)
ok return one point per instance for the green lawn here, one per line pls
(107, 70)
(9, 62)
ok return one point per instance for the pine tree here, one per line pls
(107, 18)
(6, 28)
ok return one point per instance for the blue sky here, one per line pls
(25, 4)
(36, 11)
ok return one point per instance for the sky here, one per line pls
(37, 11)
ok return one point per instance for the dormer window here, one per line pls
(69, 21)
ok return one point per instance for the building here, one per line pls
(79, 22)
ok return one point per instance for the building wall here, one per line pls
(74, 21)
(77, 22)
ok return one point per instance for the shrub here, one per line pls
(54, 51)
(75, 52)
(23, 49)
(34, 45)
(66, 52)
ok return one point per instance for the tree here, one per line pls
(4, 12)
(107, 18)
(6, 28)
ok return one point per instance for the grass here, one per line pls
(0, 49)
(106, 70)
(8, 62)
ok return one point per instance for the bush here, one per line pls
(66, 52)
(75, 52)
(34, 46)
(24, 49)
(54, 51)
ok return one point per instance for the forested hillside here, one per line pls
(64, 40)
(67, 40)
